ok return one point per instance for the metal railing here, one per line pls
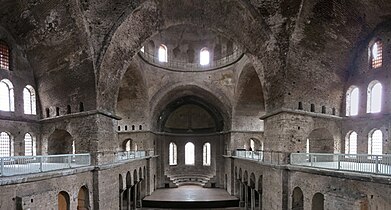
(378, 164)
(272, 157)
(129, 155)
(10, 166)
(187, 66)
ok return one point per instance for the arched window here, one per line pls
(63, 201)
(375, 143)
(172, 154)
(6, 145)
(377, 54)
(374, 97)
(83, 202)
(6, 95)
(189, 154)
(30, 147)
(206, 154)
(351, 143)
(352, 98)
(4, 56)
(318, 202)
(307, 146)
(29, 100)
(162, 53)
(128, 145)
(204, 56)
(252, 145)
(73, 147)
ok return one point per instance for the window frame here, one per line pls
(5, 59)
(191, 161)
(370, 97)
(376, 61)
(204, 56)
(206, 154)
(32, 109)
(10, 144)
(163, 54)
(10, 94)
(349, 101)
(172, 154)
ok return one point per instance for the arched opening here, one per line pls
(83, 202)
(61, 142)
(6, 96)
(63, 201)
(29, 101)
(6, 145)
(318, 202)
(204, 56)
(189, 154)
(260, 192)
(172, 154)
(376, 54)
(5, 56)
(206, 154)
(352, 101)
(321, 141)
(351, 143)
(374, 98)
(375, 142)
(297, 199)
(30, 145)
(162, 53)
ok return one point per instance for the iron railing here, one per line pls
(128, 155)
(16, 165)
(377, 164)
(177, 65)
(272, 157)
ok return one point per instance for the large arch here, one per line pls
(60, 142)
(150, 17)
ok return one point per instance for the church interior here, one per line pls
(203, 104)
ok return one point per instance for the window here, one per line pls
(142, 49)
(307, 146)
(352, 98)
(204, 56)
(128, 145)
(252, 145)
(162, 53)
(172, 154)
(29, 100)
(73, 147)
(30, 148)
(375, 143)
(4, 56)
(377, 54)
(189, 153)
(6, 145)
(374, 97)
(206, 154)
(351, 143)
(6, 95)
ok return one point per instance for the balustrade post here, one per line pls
(69, 161)
(339, 161)
(41, 164)
(310, 159)
(2, 167)
(377, 164)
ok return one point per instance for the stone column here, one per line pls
(252, 198)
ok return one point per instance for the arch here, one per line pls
(5, 55)
(6, 96)
(140, 174)
(206, 151)
(297, 199)
(83, 200)
(127, 145)
(245, 177)
(252, 180)
(116, 50)
(120, 183)
(321, 140)
(352, 101)
(162, 53)
(6, 145)
(240, 174)
(204, 56)
(30, 145)
(374, 98)
(135, 179)
(376, 54)
(318, 202)
(351, 143)
(60, 142)
(63, 201)
(172, 154)
(260, 184)
(29, 100)
(375, 142)
(189, 153)
(128, 180)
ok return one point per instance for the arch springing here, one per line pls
(29, 100)
(172, 154)
(6, 95)
(206, 154)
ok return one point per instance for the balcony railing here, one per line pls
(178, 65)
(272, 157)
(10, 166)
(129, 155)
(377, 164)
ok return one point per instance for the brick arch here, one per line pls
(150, 17)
